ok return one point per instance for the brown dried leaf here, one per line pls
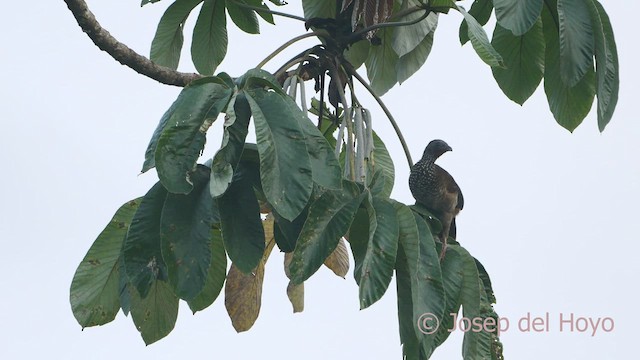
(338, 261)
(243, 292)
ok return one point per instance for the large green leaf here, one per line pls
(518, 16)
(569, 105)
(607, 71)
(95, 288)
(325, 168)
(168, 40)
(480, 40)
(381, 64)
(185, 232)
(242, 230)
(236, 125)
(215, 275)
(407, 326)
(286, 232)
(319, 8)
(576, 40)
(524, 60)
(141, 250)
(244, 18)
(329, 219)
(406, 38)
(375, 259)
(384, 162)
(209, 42)
(470, 297)
(180, 137)
(154, 315)
(285, 166)
(357, 53)
(481, 10)
(410, 63)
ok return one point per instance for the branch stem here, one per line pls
(284, 46)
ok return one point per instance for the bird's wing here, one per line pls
(451, 186)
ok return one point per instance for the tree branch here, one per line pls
(121, 52)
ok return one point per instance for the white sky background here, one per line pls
(550, 214)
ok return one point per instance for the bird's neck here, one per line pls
(428, 160)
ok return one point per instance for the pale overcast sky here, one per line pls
(551, 214)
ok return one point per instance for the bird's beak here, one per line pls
(449, 148)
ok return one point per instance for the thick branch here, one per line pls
(121, 52)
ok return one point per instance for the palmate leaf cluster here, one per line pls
(306, 190)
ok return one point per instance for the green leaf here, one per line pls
(95, 288)
(576, 40)
(141, 250)
(266, 16)
(376, 258)
(286, 232)
(215, 275)
(325, 168)
(607, 70)
(408, 338)
(285, 167)
(357, 53)
(245, 19)
(185, 231)
(481, 10)
(518, 16)
(242, 229)
(184, 132)
(319, 8)
(569, 105)
(470, 299)
(480, 41)
(258, 78)
(383, 161)
(381, 64)
(145, 2)
(168, 40)
(410, 63)
(407, 38)
(486, 282)
(154, 315)
(524, 60)
(236, 125)
(209, 43)
(124, 286)
(329, 219)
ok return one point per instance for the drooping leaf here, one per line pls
(123, 286)
(325, 167)
(243, 291)
(452, 281)
(258, 78)
(524, 60)
(168, 40)
(141, 250)
(154, 315)
(576, 40)
(607, 70)
(235, 133)
(244, 18)
(407, 38)
(410, 63)
(357, 53)
(242, 229)
(481, 10)
(329, 219)
(95, 288)
(408, 338)
(295, 292)
(338, 261)
(381, 64)
(518, 16)
(181, 134)
(185, 233)
(285, 167)
(480, 40)
(209, 42)
(374, 260)
(569, 105)
(383, 161)
(486, 282)
(287, 232)
(215, 275)
(470, 300)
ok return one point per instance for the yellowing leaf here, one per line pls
(243, 292)
(295, 292)
(338, 261)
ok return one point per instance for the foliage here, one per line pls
(305, 187)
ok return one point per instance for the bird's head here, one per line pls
(435, 149)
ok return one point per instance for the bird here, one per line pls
(435, 189)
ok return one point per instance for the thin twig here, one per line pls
(121, 52)
(355, 74)
(278, 13)
(284, 46)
